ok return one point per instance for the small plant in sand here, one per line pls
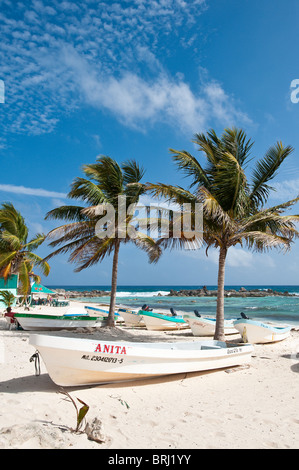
(81, 413)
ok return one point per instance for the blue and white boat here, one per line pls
(253, 331)
(102, 310)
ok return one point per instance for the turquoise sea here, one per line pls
(275, 309)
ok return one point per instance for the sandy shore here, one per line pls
(256, 407)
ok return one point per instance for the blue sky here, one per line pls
(131, 79)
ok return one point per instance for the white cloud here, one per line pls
(10, 188)
(58, 56)
(136, 101)
(286, 190)
(236, 258)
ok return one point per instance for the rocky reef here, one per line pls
(204, 292)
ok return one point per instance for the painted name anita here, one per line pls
(111, 348)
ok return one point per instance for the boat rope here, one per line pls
(35, 358)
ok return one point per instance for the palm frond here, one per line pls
(265, 171)
(12, 221)
(87, 191)
(148, 244)
(11, 241)
(210, 145)
(108, 176)
(39, 262)
(230, 185)
(6, 258)
(96, 251)
(66, 213)
(35, 242)
(261, 241)
(171, 193)
(132, 172)
(191, 167)
(236, 143)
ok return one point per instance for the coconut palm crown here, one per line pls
(106, 182)
(234, 206)
(16, 252)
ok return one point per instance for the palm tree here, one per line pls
(85, 237)
(16, 252)
(7, 298)
(233, 207)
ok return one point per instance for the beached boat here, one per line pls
(253, 331)
(103, 311)
(161, 322)
(204, 326)
(34, 321)
(77, 361)
(131, 317)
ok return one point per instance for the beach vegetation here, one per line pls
(98, 228)
(17, 252)
(7, 298)
(234, 202)
(80, 413)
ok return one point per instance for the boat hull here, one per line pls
(206, 326)
(258, 332)
(132, 319)
(77, 361)
(159, 322)
(34, 322)
(102, 312)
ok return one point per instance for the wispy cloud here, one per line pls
(10, 188)
(286, 190)
(236, 258)
(58, 56)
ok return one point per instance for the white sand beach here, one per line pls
(254, 407)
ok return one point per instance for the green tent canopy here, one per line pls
(39, 289)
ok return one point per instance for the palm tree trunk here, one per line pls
(219, 331)
(111, 320)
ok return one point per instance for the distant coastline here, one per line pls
(200, 292)
(204, 292)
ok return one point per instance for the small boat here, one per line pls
(34, 321)
(131, 317)
(258, 332)
(102, 310)
(161, 322)
(76, 361)
(204, 326)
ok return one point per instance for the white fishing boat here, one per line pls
(77, 361)
(258, 332)
(103, 311)
(40, 321)
(204, 326)
(131, 317)
(160, 322)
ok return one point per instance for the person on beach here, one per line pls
(11, 315)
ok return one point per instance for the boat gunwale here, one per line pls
(276, 329)
(58, 317)
(161, 316)
(141, 349)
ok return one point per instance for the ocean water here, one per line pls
(275, 309)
